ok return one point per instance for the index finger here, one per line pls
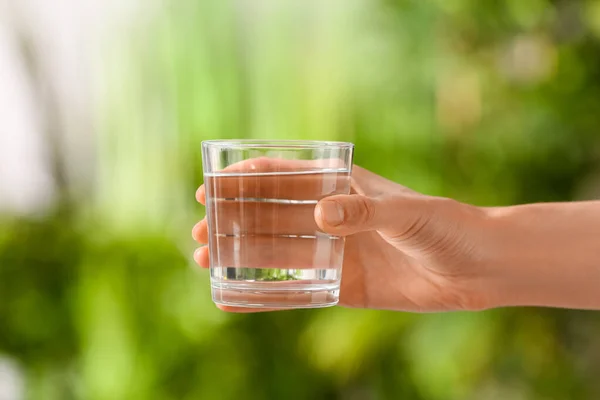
(265, 164)
(272, 178)
(270, 164)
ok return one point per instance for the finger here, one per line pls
(200, 232)
(270, 164)
(289, 187)
(249, 217)
(289, 254)
(278, 179)
(348, 214)
(401, 216)
(201, 256)
(201, 195)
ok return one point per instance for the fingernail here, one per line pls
(332, 213)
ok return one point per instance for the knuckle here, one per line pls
(261, 164)
(416, 225)
(365, 210)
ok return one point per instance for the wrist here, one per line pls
(500, 280)
(494, 284)
(481, 280)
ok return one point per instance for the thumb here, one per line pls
(344, 215)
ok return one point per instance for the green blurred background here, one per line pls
(489, 102)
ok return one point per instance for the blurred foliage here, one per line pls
(488, 102)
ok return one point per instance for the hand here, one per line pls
(404, 251)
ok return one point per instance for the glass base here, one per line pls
(275, 295)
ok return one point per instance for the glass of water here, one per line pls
(266, 250)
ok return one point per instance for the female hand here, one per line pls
(404, 251)
(411, 252)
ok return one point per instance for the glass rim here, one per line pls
(279, 143)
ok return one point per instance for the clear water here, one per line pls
(265, 247)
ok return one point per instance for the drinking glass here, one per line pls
(265, 248)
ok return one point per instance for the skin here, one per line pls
(406, 251)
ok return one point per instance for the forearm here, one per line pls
(544, 255)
